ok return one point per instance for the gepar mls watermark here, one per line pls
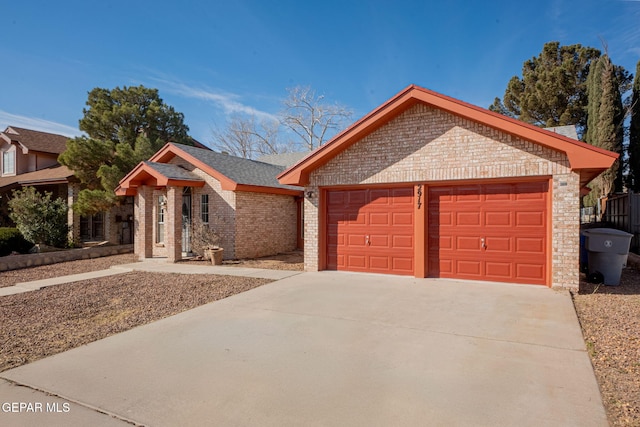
(35, 407)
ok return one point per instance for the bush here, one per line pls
(12, 240)
(39, 218)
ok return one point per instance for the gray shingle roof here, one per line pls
(242, 171)
(173, 171)
(36, 140)
(284, 159)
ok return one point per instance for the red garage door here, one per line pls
(370, 230)
(491, 232)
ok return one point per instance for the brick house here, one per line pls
(429, 186)
(30, 158)
(182, 188)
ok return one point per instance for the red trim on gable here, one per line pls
(145, 175)
(585, 158)
(169, 151)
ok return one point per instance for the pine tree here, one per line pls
(605, 123)
(633, 180)
(553, 87)
(124, 126)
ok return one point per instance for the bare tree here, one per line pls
(244, 137)
(314, 121)
(305, 123)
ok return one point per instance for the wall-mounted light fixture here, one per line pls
(309, 194)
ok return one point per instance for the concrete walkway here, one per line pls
(156, 266)
(330, 348)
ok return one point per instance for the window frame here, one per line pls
(160, 218)
(204, 208)
(9, 158)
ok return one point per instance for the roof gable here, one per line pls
(33, 140)
(588, 160)
(233, 173)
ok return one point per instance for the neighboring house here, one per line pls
(182, 188)
(30, 158)
(429, 186)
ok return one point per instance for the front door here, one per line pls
(186, 220)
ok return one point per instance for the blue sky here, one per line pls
(210, 59)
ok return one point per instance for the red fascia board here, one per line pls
(169, 151)
(580, 154)
(144, 174)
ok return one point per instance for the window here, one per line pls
(162, 204)
(8, 162)
(204, 208)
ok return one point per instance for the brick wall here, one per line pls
(222, 208)
(426, 145)
(266, 224)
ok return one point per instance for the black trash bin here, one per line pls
(608, 250)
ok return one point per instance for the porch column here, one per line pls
(173, 224)
(73, 218)
(143, 214)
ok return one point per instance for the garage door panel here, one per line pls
(403, 242)
(355, 240)
(530, 219)
(380, 241)
(402, 218)
(379, 218)
(498, 219)
(499, 270)
(403, 265)
(467, 219)
(469, 268)
(356, 261)
(530, 245)
(468, 243)
(378, 227)
(379, 263)
(510, 217)
(529, 271)
(499, 244)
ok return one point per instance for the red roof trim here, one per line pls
(169, 151)
(581, 156)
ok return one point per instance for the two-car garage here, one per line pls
(430, 186)
(478, 231)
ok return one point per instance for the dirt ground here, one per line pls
(610, 321)
(10, 278)
(286, 261)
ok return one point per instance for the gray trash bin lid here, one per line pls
(607, 240)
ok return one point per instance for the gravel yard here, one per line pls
(610, 321)
(10, 278)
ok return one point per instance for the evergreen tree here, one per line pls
(605, 123)
(553, 88)
(124, 126)
(633, 180)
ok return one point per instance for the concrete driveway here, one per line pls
(331, 349)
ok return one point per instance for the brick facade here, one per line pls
(266, 224)
(249, 224)
(427, 145)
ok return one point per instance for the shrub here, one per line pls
(39, 218)
(12, 240)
